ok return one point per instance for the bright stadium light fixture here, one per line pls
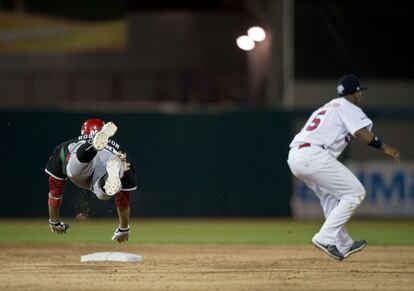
(245, 43)
(256, 33)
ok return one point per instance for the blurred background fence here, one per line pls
(207, 124)
(196, 164)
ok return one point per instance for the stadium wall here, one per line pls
(198, 164)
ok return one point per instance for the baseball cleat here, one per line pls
(100, 140)
(113, 181)
(357, 246)
(330, 250)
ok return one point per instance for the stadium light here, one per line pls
(245, 43)
(256, 33)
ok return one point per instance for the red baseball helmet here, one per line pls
(92, 126)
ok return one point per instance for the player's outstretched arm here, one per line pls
(368, 138)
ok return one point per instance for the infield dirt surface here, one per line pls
(205, 267)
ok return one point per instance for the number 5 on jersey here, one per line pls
(316, 121)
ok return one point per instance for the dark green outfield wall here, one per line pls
(222, 164)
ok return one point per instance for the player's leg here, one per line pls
(106, 180)
(80, 165)
(344, 186)
(338, 190)
(79, 168)
(307, 164)
(329, 202)
(344, 240)
(86, 152)
(112, 184)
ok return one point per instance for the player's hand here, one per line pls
(123, 157)
(58, 226)
(393, 152)
(121, 234)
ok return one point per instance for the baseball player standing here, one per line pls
(313, 159)
(94, 162)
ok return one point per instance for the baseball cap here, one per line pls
(349, 84)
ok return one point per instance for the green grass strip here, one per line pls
(202, 231)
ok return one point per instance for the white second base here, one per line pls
(111, 257)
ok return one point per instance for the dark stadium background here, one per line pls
(207, 124)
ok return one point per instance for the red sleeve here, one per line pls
(56, 188)
(122, 199)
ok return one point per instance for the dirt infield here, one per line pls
(205, 267)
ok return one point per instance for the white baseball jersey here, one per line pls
(331, 126)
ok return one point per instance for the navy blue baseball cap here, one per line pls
(349, 84)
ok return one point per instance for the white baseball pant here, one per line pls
(88, 175)
(337, 188)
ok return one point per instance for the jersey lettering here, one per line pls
(316, 121)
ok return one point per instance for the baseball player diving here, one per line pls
(313, 159)
(95, 162)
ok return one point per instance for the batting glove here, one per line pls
(121, 234)
(58, 226)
